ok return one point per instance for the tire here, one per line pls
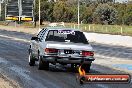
(86, 67)
(31, 59)
(42, 65)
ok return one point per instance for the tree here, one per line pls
(128, 15)
(104, 14)
(86, 13)
(59, 10)
(63, 12)
(91, 11)
(46, 11)
(2, 11)
(120, 7)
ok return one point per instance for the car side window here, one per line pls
(41, 34)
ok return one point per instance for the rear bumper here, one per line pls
(67, 60)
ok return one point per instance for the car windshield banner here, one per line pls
(66, 32)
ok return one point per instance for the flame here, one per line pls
(81, 71)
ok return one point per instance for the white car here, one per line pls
(60, 45)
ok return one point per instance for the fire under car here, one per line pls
(60, 45)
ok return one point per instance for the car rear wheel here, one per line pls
(43, 65)
(86, 67)
(31, 59)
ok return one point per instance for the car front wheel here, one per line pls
(31, 59)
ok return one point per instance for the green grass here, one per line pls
(108, 29)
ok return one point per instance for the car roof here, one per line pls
(61, 28)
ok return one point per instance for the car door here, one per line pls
(36, 44)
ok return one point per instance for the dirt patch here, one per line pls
(20, 29)
(7, 83)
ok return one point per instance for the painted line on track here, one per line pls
(14, 38)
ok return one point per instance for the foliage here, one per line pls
(128, 15)
(91, 11)
(46, 10)
(124, 13)
(104, 14)
(2, 12)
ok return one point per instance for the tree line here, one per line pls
(97, 12)
(91, 11)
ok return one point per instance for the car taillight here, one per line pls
(87, 53)
(50, 50)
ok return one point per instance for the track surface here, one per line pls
(14, 64)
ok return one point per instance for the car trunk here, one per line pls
(69, 46)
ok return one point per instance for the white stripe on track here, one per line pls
(14, 38)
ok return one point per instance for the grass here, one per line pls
(109, 29)
(97, 28)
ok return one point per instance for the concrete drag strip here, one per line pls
(2, 60)
(21, 71)
(6, 82)
(24, 75)
(14, 38)
(104, 59)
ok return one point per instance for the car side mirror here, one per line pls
(35, 38)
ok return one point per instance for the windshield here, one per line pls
(66, 36)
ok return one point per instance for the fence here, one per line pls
(111, 29)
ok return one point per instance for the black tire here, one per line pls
(43, 65)
(86, 67)
(31, 59)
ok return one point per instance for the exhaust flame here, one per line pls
(81, 71)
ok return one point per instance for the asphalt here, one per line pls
(14, 64)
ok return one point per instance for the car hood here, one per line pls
(66, 45)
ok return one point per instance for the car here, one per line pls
(60, 45)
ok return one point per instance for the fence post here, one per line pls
(102, 28)
(89, 28)
(74, 26)
(71, 26)
(121, 30)
(85, 28)
(93, 29)
(106, 30)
